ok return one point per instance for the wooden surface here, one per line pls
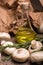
(11, 62)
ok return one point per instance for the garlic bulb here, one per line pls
(20, 55)
(8, 50)
(35, 46)
(5, 36)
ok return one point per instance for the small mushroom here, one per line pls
(8, 50)
(20, 55)
(35, 46)
(36, 56)
(0, 57)
(4, 36)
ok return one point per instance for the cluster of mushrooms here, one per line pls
(21, 55)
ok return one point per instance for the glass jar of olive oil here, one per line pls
(25, 35)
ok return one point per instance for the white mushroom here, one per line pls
(0, 57)
(35, 46)
(36, 56)
(5, 36)
(8, 50)
(20, 55)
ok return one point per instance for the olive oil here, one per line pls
(25, 35)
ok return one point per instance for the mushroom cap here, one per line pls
(36, 56)
(20, 55)
(0, 57)
(8, 50)
(5, 43)
(4, 36)
(35, 46)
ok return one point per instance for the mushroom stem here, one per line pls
(35, 46)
